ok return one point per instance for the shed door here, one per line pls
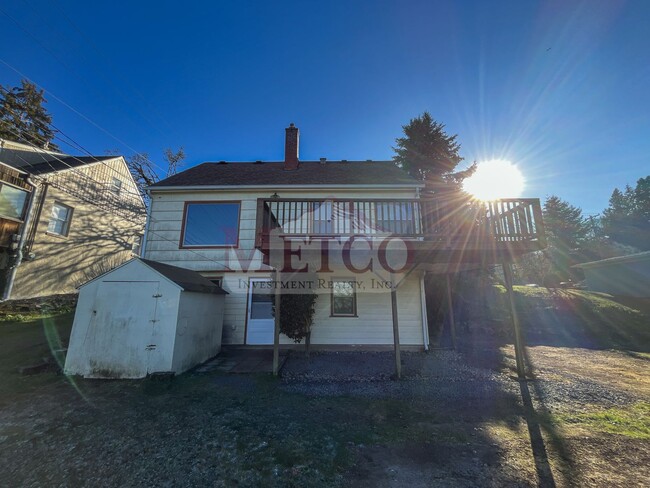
(121, 335)
(261, 324)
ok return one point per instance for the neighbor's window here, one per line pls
(60, 217)
(210, 224)
(136, 246)
(12, 201)
(344, 299)
(116, 186)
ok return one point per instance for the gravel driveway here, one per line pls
(336, 419)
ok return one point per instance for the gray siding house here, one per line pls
(623, 275)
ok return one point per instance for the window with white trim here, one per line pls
(116, 185)
(136, 246)
(344, 299)
(60, 218)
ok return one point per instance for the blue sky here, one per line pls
(559, 88)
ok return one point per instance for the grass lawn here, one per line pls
(28, 342)
(583, 421)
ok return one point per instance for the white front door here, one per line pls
(261, 322)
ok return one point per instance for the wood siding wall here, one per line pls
(98, 239)
(372, 326)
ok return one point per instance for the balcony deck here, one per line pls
(441, 232)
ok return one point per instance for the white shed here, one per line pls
(145, 317)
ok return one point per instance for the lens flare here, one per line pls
(495, 179)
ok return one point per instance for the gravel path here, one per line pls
(448, 376)
(438, 376)
(456, 419)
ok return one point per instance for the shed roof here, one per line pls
(185, 278)
(308, 173)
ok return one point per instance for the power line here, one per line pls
(151, 219)
(87, 119)
(52, 126)
(71, 69)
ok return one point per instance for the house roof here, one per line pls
(185, 278)
(65, 163)
(41, 161)
(630, 258)
(308, 173)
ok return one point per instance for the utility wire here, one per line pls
(71, 69)
(77, 112)
(151, 219)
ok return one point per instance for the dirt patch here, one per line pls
(434, 463)
(33, 308)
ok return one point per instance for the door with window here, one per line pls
(261, 323)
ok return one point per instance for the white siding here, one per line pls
(373, 326)
(198, 333)
(164, 232)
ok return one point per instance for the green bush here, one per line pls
(297, 315)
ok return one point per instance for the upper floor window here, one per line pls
(12, 201)
(116, 185)
(60, 218)
(210, 224)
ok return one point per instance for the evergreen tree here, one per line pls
(627, 219)
(23, 117)
(427, 152)
(565, 226)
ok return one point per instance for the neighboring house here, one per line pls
(624, 275)
(63, 219)
(225, 221)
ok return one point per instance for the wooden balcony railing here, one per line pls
(449, 223)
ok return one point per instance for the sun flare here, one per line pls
(495, 179)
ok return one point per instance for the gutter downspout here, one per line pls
(21, 242)
(425, 319)
(146, 227)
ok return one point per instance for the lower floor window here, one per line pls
(344, 299)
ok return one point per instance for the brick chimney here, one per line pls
(291, 144)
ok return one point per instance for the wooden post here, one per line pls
(450, 312)
(276, 331)
(519, 346)
(393, 301)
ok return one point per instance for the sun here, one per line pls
(495, 179)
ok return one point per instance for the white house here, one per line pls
(356, 226)
(144, 317)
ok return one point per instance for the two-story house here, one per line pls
(63, 218)
(360, 233)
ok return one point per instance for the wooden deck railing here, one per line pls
(449, 223)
